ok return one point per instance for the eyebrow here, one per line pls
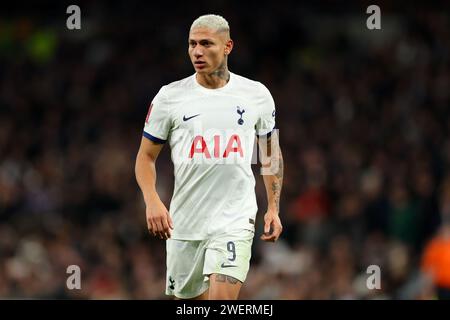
(206, 39)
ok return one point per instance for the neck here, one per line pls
(216, 79)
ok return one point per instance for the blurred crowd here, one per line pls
(364, 125)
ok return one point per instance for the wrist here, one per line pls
(272, 210)
(151, 197)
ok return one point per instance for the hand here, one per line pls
(271, 222)
(159, 221)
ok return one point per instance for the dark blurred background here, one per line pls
(364, 124)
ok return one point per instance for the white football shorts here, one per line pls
(191, 262)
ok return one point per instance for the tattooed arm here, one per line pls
(272, 171)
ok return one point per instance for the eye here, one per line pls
(206, 44)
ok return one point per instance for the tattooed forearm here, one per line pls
(276, 185)
(280, 171)
(276, 188)
(272, 171)
(225, 278)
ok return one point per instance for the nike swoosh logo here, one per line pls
(223, 265)
(188, 118)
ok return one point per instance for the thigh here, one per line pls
(185, 262)
(223, 287)
(227, 262)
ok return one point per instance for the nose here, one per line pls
(198, 52)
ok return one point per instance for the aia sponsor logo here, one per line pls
(199, 145)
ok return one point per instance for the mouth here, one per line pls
(199, 63)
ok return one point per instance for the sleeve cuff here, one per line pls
(268, 134)
(153, 138)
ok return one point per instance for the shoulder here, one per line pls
(177, 88)
(251, 86)
(245, 82)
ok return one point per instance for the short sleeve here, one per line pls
(266, 120)
(158, 123)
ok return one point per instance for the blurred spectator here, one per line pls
(364, 124)
(436, 256)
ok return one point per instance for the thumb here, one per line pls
(267, 226)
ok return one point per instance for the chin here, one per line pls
(201, 70)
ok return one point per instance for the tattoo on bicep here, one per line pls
(225, 278)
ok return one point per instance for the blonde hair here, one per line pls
(211, 21)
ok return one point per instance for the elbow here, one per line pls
(142, 159)
(137, 165)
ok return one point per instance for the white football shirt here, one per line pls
(211, 133)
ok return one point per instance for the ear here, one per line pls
(228, 46)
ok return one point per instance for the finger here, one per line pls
(272, 236)
(276, 234)
(151, 227)
(163, 229)
(154, 227)
(166, 227)
(169, 218)
(268, 237)
(159, 228)
(166, 235)
(267, 226)
(152, 231)
(277, 231)
(162, 235)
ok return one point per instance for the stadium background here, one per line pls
(363, 118)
